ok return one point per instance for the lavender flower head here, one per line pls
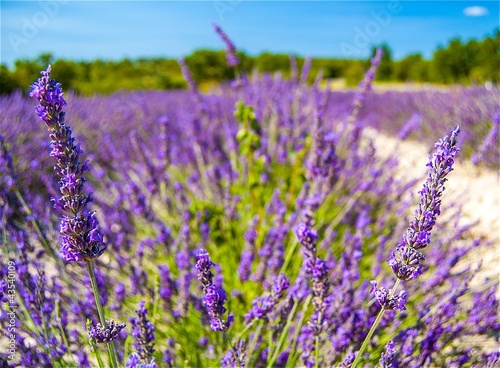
(135, 362)
(263, 306)
(489, 142)
(406, 262)
(143, 333)
(231, 56)
(80, 237)
(410, 126)
(307, 238)
(235, 357)
(366, 83)
(388, 358)
(187, 76)
(387, 300)
(214, 297)
(108, 334)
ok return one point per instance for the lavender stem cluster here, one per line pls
(80, 236)
(215, 297)
(314, 266)
(406, 261)
(318, 271)
(81, 240)
(143, 333)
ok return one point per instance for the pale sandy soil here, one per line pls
(478, 189)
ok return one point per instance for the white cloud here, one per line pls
(475, 11)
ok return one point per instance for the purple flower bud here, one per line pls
(235, 357)
(215, 297)
(107, 334)
(143, 334)
(389, 302)
(388, 358)
(135, 362)
(307, 237)
(231, 56)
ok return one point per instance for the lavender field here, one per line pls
(258, 225)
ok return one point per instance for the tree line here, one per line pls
(465, 62)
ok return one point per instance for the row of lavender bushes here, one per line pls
(408, 115)
(274, 182)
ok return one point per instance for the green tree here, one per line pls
(267, 62)
(209, 65)
(411, 68)
(7, 82)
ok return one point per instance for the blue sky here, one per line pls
(85, 30)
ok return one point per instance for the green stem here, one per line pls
(289, 255)
(269, 340)
(253, 343)
(298, 329)
(368, 337)
(283, 335)
(100, 311)
(97, 354)
(245, 330)
(35, 329)
(318, 324)
(373, 328)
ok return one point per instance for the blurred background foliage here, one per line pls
(464, 62)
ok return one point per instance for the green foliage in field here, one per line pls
(473, 61)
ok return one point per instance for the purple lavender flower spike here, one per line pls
(348, 360)
(306, 68)
(108, 334)
(248, 254)
(388, 358)
(262, 307)
(168, 353)
(318, 272)
(406, 261)
(188, 77)
(135, 362)
(231, 56)
(80, 236)
(143, 334)
(235, 357)
(167, 284)
(214, 298)
(489, 142)
(365, 85)
(410, 126)
(493, 359)
(308, 238)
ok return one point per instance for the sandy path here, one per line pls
(478, 189)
